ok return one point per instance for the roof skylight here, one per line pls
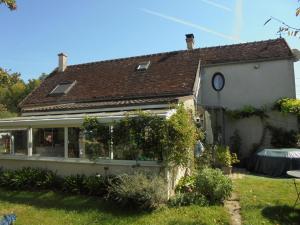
(62, 88)
(143, 66)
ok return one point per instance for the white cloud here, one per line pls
(190, 24)
(217, 5)
(238, 18)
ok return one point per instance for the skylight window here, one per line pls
(62, 88)
(143, 66)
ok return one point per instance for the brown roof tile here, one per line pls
(170, 74)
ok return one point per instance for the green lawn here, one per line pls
(267, 201)
(51, 208)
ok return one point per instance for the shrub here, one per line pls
(288, 105)
(74, 184)
(40, 179)
(215, 186)
(29, 178)
(190, 198)
(138, 191)
(224, 157)
(98, 185)
(185, 184)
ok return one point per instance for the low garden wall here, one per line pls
(66, 167)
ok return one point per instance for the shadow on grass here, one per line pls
(184, 222)
(53, 200)
(282, 214)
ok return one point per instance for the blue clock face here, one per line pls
(218, 81)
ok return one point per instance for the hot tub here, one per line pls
(275, 162)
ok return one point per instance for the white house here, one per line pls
(207, 80)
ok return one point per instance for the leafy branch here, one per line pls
(11, 4)
(286, 28)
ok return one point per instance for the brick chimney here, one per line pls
(190, 41)
(62, 62)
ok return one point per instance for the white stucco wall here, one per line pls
(251, 130)
(256, 84)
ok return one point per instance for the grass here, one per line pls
(267, 201)
(53, 208)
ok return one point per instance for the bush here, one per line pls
(185, 184)
(41, 179)
(209, 186)
(138, 191)
(74, 184)
(224, 157)
(185, 199)
(288, 105)
(215, 186)
(29, 179)
(98, 185)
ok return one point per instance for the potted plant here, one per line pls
(225, 159)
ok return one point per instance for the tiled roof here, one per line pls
(169, 74)
(102, 104)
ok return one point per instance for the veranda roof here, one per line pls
(71, 119)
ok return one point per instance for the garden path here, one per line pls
(233, 203)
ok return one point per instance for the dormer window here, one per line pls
(62, 88)
(143, 66)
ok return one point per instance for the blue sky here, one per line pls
(93, 30)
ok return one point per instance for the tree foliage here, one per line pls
(11, 4)
(13, 89)
(288, 105)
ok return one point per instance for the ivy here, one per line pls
(144, 136)
(182, 135)
(139, 136)
(246, 112)
(288, 105)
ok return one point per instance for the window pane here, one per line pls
(73, 145)
(19, 140)
(97, 144)
(62, 88)
(13, 142)
(5, 142)
(48, 142)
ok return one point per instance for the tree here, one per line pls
(13, 89)
(285, 28)
(11, 4)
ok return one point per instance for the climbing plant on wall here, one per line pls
(247, 112)
(181, 137)
(144, 136)
(139, 136)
